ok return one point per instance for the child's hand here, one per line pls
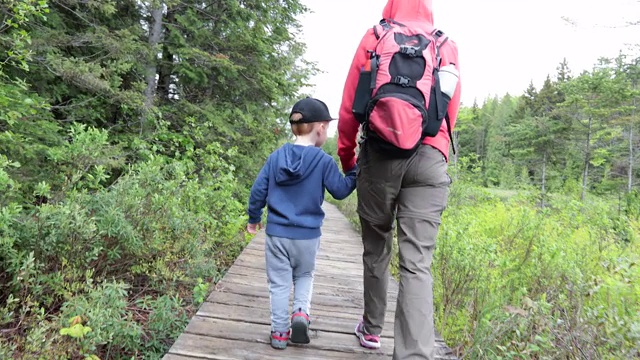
(253, 228)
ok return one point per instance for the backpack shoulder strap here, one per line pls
(437, 34)
(446, 118)
(384, 25)
(375, 32)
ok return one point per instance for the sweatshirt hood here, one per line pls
(409, 10)
(295, 162)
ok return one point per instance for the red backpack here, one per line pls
(400, 100)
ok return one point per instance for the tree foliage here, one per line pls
(574, 134)
(129, 134)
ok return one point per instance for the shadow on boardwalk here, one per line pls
(234, 322)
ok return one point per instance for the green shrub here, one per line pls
(103, 310)
(514, 281)
(107, 266)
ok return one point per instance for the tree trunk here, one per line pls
(633, 118)
(630, 180)
(483, 155)
(166, 67)
(587, 159)
(479, 141)
(155, 34)
(544, 179)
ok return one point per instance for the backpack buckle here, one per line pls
(410, 50)
(402, 80)
(437, 33)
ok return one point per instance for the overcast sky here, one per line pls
(503, 44)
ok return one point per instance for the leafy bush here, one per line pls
(514, 281)
(112, 263)
(120, 205)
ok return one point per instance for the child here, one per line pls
(291, 184)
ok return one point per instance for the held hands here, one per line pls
(253, 228)
(352, 172)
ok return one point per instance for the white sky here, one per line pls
(503, 44)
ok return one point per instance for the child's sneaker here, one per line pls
(367, 340)
(300, 328)
(279, 339)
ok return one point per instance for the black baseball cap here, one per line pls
(312, 110)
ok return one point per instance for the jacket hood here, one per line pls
(409, 10)
(294, 163)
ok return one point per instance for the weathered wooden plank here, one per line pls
(242, 266)
(259, 333)
(190, 346)
(352, 284)
(234, 322)
(323, 296)
(354, 260)
(193, 347)
(319, 282)
(327, 295)
(350, 313)
(238, 330)
(263, 291)
(343, 255)
(178, 357)
(354, 267)
(332, 244)
(322, 275)
(254, 263)
(321, 320)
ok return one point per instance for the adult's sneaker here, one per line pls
(368, 341)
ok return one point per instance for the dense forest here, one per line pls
(130, 133)
(576, 134)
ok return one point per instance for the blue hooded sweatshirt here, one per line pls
(291, 184)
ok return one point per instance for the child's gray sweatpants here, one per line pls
(289, 261)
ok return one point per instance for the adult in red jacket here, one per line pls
(412, 192)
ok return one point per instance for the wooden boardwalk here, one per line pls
(234, 322)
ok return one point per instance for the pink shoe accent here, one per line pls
(367, 340)
(300, 313)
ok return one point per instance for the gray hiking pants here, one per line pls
(289, 262)
(414, 193)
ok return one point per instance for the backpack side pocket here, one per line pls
(362, 96)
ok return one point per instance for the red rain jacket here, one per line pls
(399, 10)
